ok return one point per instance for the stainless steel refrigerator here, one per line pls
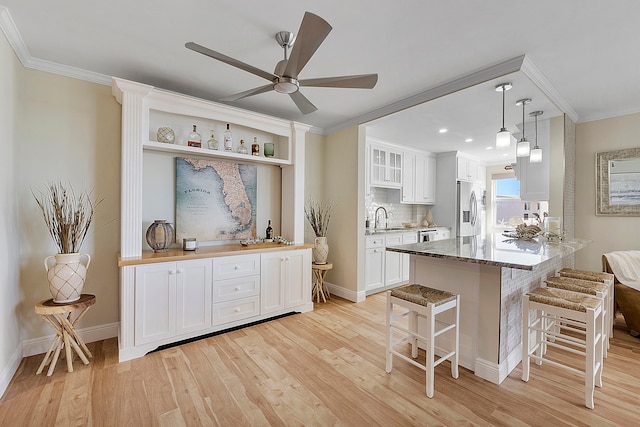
(471, 209)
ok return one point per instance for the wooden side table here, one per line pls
(61, 319)
(319, 271)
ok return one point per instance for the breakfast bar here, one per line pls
(490, 272)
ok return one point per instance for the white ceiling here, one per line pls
(585, 50)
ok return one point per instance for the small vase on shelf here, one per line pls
(213, 142)
(160, 235)
(242, 149)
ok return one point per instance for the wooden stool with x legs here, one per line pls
(61, 319)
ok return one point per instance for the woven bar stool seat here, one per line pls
(581, 332)
(423, 302)
(597, 276)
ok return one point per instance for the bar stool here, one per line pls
(597, 289)
(427, 303)
(596, 276)
(580, 313)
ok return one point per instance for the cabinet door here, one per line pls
(425, 179)
(374, 268)
(193, 302)
(408, 177)
(378, 166)
(407, 238)
(394, 176)
(393, 262)
(272, 281)
(298, 278)
(155, 302)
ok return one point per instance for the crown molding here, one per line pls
(22, 52)
(464, 82)
(535, 75)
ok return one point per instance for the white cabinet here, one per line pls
(374, 262)
(384, 269)
(407, 238)
(385, 166)
(467, 169)
(418, 178)
(425, 187)
(236, 288)
(393, 262)
(171, 299)
(285, 280)
(442, 234)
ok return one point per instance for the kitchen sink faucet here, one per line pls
(386, 218)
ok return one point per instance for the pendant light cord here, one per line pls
(503, 91)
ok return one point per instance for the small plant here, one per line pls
(68, 216)
(318, 214)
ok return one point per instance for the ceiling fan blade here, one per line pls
(229, 60)
(313, 30)
(246, 93)
(362, 81)
(303, 103)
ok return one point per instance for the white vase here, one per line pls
(66, 276)
(320, 251)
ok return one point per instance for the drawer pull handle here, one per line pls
(237, 288)
(180, 271)
(171, 272)
(237, 310)
(237, 267)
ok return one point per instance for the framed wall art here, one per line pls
(618, 182)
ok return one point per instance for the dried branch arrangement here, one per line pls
(68, 216)
(318, 214)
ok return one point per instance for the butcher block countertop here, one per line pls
(494, 249)
(177, 254)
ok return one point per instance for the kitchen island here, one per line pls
(491, 273)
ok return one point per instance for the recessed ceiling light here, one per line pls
(443, 130)
(489, 147)
(468, 140)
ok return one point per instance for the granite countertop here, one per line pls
(494, 249)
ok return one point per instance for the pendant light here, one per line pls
(536, 151)
(523, 148)
(503, 137)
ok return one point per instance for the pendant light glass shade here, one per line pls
(523, 149)
(536, 155)
(536, 151)
(503, 137)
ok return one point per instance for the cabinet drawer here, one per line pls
(232, 289)
(236, 266)
(374, 242)
(394, 240)
(231, 311)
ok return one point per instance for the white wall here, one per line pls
(314, 172)
(69, 131)
(10, 243)
(608, 233)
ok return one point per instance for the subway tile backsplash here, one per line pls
(398, 213)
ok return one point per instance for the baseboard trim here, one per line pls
(40, 345)
(497, 372)
(348, 294)
(9, 371)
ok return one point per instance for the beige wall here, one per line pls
(69, 131)
(609, 233)
(341, 184)
(314, 173)
(10, 243)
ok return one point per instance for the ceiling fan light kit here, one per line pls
(313, 30)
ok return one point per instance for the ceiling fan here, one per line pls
(313, 30)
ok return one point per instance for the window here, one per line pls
(507, 207)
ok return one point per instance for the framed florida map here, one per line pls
(215, 200)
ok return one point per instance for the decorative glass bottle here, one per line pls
(213, 142)
(228, 139)
(241, 148)
(255, 147)
(160, 235)
(194, 140)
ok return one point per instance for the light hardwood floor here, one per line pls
(320, 368)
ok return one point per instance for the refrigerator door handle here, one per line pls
(474, 208)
